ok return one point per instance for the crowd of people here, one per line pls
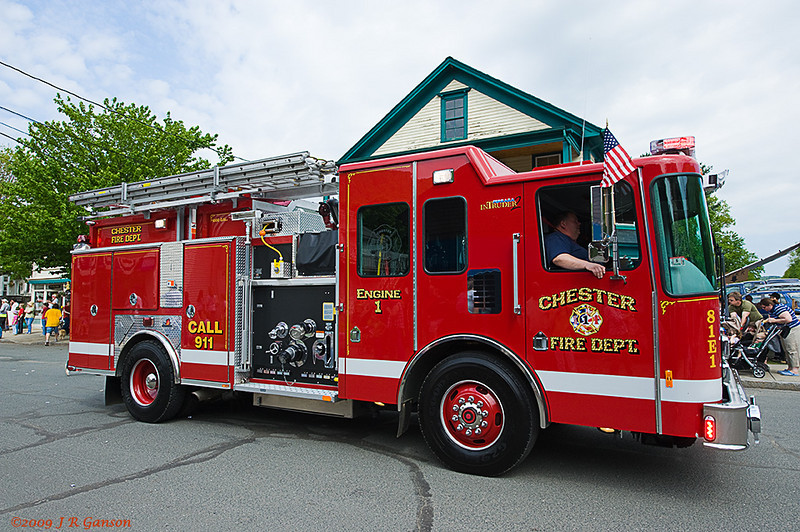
(751, 318)
(18, 317)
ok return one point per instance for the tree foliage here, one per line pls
(91, 148)
(793, 271)
(729, 241)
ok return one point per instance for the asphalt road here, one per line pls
(63, 454)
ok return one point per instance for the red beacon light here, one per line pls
(82, 243)
(673, 145)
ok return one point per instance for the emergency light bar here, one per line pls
(673, 145)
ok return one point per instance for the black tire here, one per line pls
(148, 384)
(758, 372)
(477, 414)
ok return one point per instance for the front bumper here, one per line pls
(734, 417)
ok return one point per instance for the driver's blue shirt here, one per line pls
(557, 243)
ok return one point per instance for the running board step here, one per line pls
(330, 396)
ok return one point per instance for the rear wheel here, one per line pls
(148, 384)
(477, 415)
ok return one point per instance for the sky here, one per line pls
(274, 77)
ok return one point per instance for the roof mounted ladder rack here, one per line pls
(286, 177)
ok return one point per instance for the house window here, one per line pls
(454, 116)
(546, 160)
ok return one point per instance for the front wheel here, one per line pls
(477, 415)
(148, 384)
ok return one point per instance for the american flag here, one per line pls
(616, 163)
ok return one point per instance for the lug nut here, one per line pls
(485, 413)
(459, 427)
(478, 431)
(480, 404)
(468, 433)
(455, 408)
(471, 399)
(454, 418)
(484, 424)
(461, 401)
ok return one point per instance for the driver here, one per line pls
(563, 250)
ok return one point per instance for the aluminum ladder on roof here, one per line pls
(292, 176)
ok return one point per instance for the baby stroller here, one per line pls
(754, 356)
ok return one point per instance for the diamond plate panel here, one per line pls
(171, 282)
(127, 325)
(291, 223)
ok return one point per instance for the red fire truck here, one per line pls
(418, 283)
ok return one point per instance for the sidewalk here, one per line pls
(771, 380)
(36, 337)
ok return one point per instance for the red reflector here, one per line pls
(147, 322)
(710, 432)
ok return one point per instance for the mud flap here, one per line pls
(113, 394)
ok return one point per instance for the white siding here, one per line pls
(486, 118)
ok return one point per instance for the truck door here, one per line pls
(376, 332)
(90, 324)
(590, 340)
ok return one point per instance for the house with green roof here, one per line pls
(458, 105)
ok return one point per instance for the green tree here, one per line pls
(793, 271)
(729, 241)
(91, 148)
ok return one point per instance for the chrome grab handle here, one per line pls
(515, 247)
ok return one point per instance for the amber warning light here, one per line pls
(673, 145)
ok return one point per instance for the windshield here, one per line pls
(685, 249)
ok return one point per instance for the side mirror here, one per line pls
(599, 251)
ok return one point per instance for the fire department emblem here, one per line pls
(585, 319)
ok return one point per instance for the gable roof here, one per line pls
(563, 126)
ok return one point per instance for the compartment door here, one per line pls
(206, 346)
(90, 344)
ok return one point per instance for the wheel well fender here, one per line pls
(433, 353)
(142, 336)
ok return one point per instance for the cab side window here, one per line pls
(445, 235)
(552, 201)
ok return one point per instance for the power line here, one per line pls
(10, 137)
(15, 129)
(29, 119)
(110, 109)
(68, 133)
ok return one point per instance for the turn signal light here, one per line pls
(710, 432)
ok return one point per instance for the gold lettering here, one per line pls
(632, 347)
(627, 303)
(192, 327)
(569, 344)
(584, 294)
(580, 344)
(544, 303)
(599, 294)
(612, 299)
(559, 299)
(572, 295)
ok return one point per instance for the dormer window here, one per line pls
(454, 115)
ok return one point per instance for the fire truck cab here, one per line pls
(420, 282)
